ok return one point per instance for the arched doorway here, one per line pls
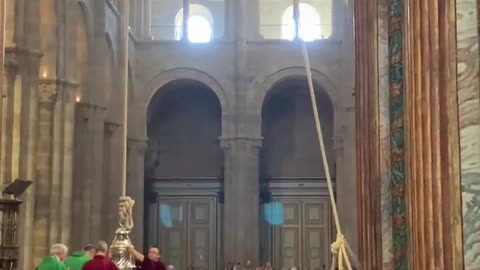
(184, 174)
(295, 208)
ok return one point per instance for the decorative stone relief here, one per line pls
(48, 91)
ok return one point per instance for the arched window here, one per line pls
(200, 24)
(309, 24)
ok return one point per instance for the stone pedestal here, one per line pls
(242, 192)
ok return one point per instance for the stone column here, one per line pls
(242, 191)
(66, 162)
(28, 147)
(88, 177)
(47, 98)
(147, 19)
(254, 20)
(135, 185)
(432, 146)
(112, 160)
(2, 61)
(9, 97)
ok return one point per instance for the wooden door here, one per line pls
(303, 237)
(187, 231)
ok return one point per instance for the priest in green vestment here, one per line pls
(78, 259)
(58, 252)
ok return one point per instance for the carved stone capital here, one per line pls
(111, 127)
(48, 91)
(137, 145)
(243, 144)
(91, 106)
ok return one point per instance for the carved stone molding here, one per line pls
(338, 142)
(240, 143)
(91, 106)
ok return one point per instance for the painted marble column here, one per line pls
(468, 84)
(135, 185)
(367, 135)
(432, 142)
(47, 98)
(242, 192)
(384, 134)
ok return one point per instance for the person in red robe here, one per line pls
(100, 260)
(150, 262)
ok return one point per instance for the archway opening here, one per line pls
(295, 206)
(184, 171)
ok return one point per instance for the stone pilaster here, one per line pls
(112, 156)
(147, 19)
(135, 185)
(10, 95)
(47, 98)
(242, 191)
(88, 173)
(28, 72)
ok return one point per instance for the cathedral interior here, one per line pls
(200, 111)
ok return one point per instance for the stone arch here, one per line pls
(184, 74)
(257, 99)
(142, 98)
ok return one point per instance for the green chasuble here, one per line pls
(51, 263)
(76, 261)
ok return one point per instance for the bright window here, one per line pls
(309, 24)
(199, 28)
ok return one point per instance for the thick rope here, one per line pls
(339, 247)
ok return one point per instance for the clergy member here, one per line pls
(100, 261)
(150, 262)
(79, 258)
(58, 252)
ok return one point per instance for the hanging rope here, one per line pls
(340, 246)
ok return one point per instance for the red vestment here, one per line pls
(100, 262)
(148, 264)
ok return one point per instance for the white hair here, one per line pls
(58, 249)
(171, 267)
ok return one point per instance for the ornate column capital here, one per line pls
(241, 143)
(138, 145)
(111, 127)
(48, 91)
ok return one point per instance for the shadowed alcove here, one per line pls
(184, 171)
(295, 208)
